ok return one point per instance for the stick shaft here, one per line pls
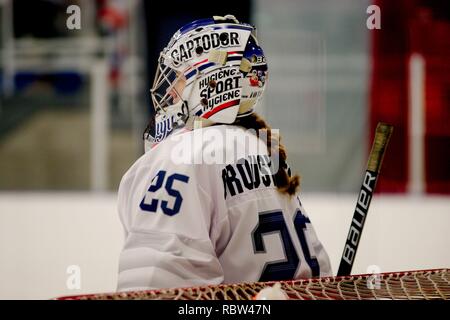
(382, 135)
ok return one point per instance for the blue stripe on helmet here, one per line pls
(207, 65)
(195, 24)
(190, 74)
(240, 28)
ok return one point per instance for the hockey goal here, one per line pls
(411, 285)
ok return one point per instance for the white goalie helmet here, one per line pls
(212, 71)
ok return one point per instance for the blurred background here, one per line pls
(74, 101)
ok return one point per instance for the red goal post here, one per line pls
(409, 285)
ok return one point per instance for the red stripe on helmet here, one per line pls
(220, 108)
(200, 62)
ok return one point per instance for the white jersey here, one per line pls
(191, 220)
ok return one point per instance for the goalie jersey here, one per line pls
(202, 208)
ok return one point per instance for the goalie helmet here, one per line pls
(212, 71)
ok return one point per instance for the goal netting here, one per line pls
(411, 285)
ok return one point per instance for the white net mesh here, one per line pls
(411, 285)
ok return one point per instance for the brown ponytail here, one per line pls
(283, 181)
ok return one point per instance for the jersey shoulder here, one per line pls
(223, 144)
(204, 150)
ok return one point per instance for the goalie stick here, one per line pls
(382, 135)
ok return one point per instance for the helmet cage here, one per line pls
(164, 92)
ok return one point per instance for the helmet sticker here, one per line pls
(208, 41)
(257, 78)
(220, 86)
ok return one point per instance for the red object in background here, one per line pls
(389, 91)
(112, 15)
(436, 52)
(407, 27)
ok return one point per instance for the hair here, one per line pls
(285, 183)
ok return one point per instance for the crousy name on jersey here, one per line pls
(252, 172)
